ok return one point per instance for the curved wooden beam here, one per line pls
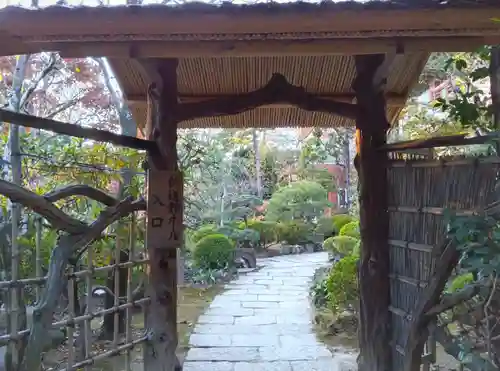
(277, 90)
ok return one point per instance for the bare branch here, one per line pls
(450, 301)
(43, 74)
(42, 206)
(76, 131)
(81, 190)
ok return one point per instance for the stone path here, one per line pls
(263, 322)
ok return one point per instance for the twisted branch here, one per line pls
(81, 190)
(67, 246)
(57, 218)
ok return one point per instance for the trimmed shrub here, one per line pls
(340, 220)
(342, 284)
(342, 245)
(351, 229)
(214, 251)
(357, 249)
(203, 231)
(266, 230)
(329, 244)
(294, 232)
(325, 227)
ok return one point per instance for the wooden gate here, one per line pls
(420, 190)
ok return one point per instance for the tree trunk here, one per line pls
(17, 320)
(374, 284)
(128, 127)
(257, 163)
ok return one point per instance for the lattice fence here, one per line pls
(113, 264)
(419, 193)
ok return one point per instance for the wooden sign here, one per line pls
(165, 209)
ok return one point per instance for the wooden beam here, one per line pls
(277, 90)
(75, 130)
(392, 99)
(165, 228)
(374, 281)
(262, 48)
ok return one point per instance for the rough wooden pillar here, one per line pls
(165, 228)
(372, 124)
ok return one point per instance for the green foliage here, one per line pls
(266, 230)
(469, 106)
(203, 231)
(319, 293)
(213, 252)
(340, 220)
(242, 237)
(459, 282)
(357, 248)
(329, 244)
(302, 200)
(342, 245)
(342, 284)
(325, 226)
(293, 232)
(351, 229)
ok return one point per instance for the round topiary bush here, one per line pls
(340, 220)
(293, 232)
(325, 227)
(203, 231)
(351, 229)
(329, 244)
(214, 251)
(342, 284)
(266, 230)
(341, 245)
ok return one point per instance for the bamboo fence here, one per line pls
(82, 349)
(420, 190)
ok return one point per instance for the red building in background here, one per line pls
(339, 177)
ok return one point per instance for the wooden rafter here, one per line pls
(392, 99)
(75, 130)
(262, 48)
(277, 90)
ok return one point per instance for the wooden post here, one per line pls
(372, 124)
(165, 224)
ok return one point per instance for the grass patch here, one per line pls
(192, 302)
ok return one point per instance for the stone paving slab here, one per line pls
(263, 321)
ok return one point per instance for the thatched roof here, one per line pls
(228, 49)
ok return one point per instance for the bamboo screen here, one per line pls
(419, 192)
(75, 339)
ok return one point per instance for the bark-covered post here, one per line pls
(165, 228)
(372, 124)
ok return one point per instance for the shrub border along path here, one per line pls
(264, 322)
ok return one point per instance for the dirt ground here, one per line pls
(192, 303)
